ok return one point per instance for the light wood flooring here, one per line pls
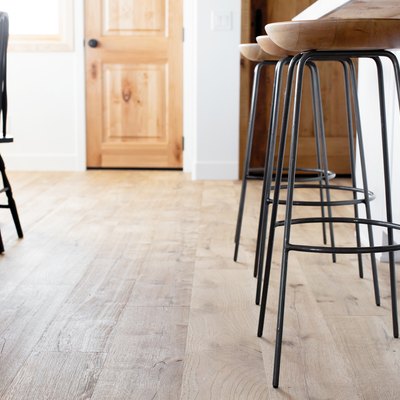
(124, 288)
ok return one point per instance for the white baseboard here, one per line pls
(215, 171)
(43, 162)
(385, 256)
(380, 240)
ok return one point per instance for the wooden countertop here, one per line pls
(348, 9)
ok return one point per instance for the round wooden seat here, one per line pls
(336, 34)
(269, 47)
(253, 52)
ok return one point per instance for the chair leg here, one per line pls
(321, 147)
(388, 194)
(363, 166)
(275, 204)
(249, 146)
(268, 175)
(262, 220)
(323, 151)
(287, 223)
(1, 244)
(319, 161)
(10, 198)
(350, 131)
(393, 285)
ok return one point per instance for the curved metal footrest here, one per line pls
(311, 203)
(343, 249)
(309, 175)
(302, 175)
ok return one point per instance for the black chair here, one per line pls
(3, 114)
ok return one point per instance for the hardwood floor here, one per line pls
(124, 288)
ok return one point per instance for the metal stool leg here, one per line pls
(268, 175)
(352, 158)
(388, 192)
(269, 152)
(288, 217)
(363, 165)
(319, 161)
(316, 89)
(249, 145)
(275, 204)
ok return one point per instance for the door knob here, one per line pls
(93, 43)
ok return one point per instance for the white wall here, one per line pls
(46, 95)
(214, 112)
(370, 119)
(189, 83)
(46, 107)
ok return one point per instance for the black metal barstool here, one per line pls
(279, 59)
(4, 139)
(323, 185)
(367, 195)
(336, 40)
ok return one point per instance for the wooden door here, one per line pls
(332, 91)
(134, 83)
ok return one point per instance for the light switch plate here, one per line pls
(221, 21)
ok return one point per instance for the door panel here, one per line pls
(134, 83)
(139, 111)
(134, 17)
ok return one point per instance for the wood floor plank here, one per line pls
(56, 375)
(309, 353)
(223, 358)
(88, 317)
(145, 359)
(368, 343)
(124, 287)
(24, 316)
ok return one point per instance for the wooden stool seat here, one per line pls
(336, 34)
(269, 47)
(253, 52)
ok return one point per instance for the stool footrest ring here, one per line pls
(302, 175)
(313, 203)
(345, 249)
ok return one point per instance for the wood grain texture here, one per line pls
(367, 9)
(131, 293)
(337, 34)
(269, 47)
(254, 52)
(134, 83)
(57, 375)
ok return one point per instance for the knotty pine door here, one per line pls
(134, 83)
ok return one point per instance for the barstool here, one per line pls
(320, 41)
(348, 67)
(278, 58)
